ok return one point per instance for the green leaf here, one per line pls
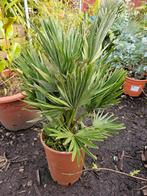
(89, 153)
(9, 31)
(51, 98)
(15, 50)
(2, 33)
(134, 173)
(3, 65)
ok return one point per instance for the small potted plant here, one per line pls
(14, 114)
(67, 79)
(131, 54)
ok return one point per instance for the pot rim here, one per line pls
(130, 78)
(7, 70)
(55, 151)
(12, 98)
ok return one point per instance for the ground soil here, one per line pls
(20, 177)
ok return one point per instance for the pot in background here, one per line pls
(137, 3)
(133, 87)
(62, 169)
(86, 4)
(14, 113)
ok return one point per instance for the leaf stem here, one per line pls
(71, 118)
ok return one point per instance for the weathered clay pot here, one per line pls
(14, 113)
(133, 87)
(62, 169)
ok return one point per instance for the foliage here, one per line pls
(130, 42)
(9, 48)
(61, 10)
(139, 14)
(12, 8)
(134, 173)
(42, 9)
(67, 80)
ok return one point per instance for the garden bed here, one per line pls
(27, 159)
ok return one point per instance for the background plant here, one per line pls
(61, 10)
(67, 80)
(9, 48)
(130, 43)
(12, 8)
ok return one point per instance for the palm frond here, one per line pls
(103, 126)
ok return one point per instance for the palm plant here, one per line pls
(67, 79)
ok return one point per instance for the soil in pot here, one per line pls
(9, 84)
(62, 169)
(133, 87)
(14, 113)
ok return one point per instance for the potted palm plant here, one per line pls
(67, 79)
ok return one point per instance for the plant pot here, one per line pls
(133, 87)
(137, 3)
(86, 4)
(62, 169)
(14, 113)
(6, 73)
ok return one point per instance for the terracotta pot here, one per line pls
(86, 4)
(62, 169)
(133, 87)
(14, 113)
(137, 3)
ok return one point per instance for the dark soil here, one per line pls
(20, 177)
